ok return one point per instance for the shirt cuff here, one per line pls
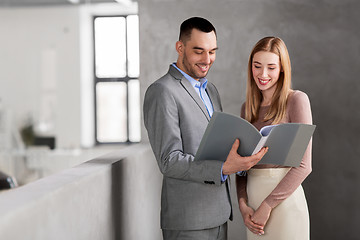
(241, 173)
(223, 177)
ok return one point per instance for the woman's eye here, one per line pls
(256, 66)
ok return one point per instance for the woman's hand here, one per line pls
(262, 214)
(247, 213)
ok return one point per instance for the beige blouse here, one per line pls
(298, 110)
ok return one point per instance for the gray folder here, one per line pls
(287, 142)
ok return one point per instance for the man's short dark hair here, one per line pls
(198, 23)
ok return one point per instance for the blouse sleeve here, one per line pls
(299, 111)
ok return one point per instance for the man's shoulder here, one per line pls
(167, 81)
(163, 87)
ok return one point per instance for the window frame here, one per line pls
(125, 79)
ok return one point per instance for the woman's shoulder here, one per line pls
(298, 107)
(297, 97)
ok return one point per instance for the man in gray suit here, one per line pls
(195, 199)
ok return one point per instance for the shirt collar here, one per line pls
(201, 83)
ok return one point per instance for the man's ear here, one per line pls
(179, 47)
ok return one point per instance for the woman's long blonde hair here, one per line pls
(253, 94)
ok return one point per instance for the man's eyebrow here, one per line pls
(200, 48)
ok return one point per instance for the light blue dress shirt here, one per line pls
(200, 88)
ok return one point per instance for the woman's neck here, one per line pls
(267, 97)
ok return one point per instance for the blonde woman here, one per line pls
(271, 198)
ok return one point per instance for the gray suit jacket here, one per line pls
(193, 196)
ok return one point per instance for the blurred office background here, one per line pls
(74, 72)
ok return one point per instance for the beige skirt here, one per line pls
(290, 219)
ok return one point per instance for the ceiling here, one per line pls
(18, 3)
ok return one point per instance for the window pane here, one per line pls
(111, 112)
(133, 45)
(134, 111)
(110, 47)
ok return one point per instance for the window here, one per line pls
(117, 88)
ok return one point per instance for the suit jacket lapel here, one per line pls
(213, 93)
(189, 89)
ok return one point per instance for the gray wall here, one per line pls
(323, 42)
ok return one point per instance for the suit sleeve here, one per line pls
(161, 119)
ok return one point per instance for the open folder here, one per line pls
(287, 142)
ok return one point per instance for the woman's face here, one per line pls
(266, 70)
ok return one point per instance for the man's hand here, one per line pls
(236, 163)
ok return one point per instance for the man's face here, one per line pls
(197, 54)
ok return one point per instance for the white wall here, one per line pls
(46, 68)
(40, 68)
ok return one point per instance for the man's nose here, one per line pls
(206, 58)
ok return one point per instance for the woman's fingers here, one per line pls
(247, 214)
(253, 227)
